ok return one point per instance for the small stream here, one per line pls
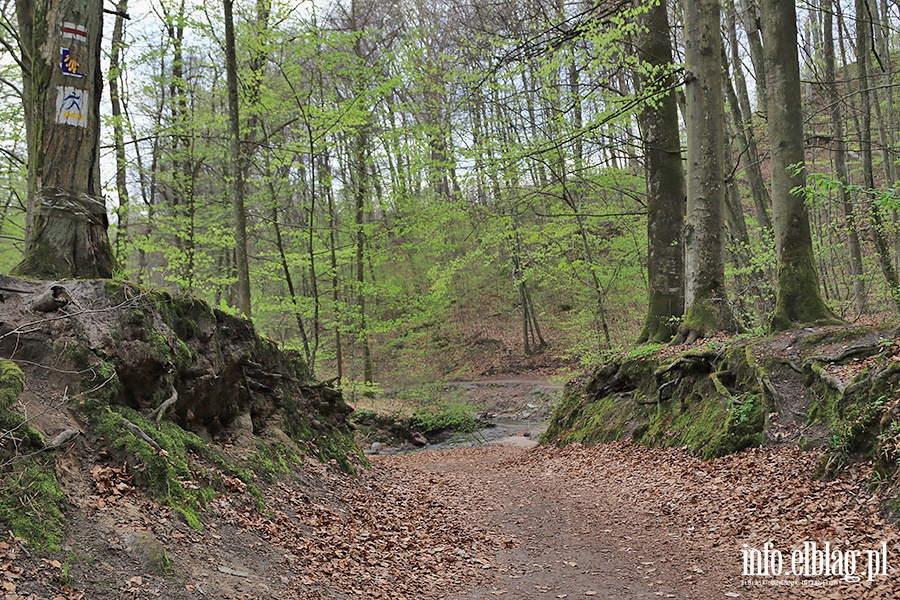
(518, 410)
(500, 430)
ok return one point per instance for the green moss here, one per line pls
(30, 496)
(186, 315)
(119, 290)
(798, 301)
(12, 423)
(12, 383)
(273, 461)
(699, 409)
(159, 346)
(701, 318)
(152, 553)
(644, 350)
(176, 479)
(332, 441)
(30, 501)
(184, 358)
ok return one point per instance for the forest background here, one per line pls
(430, 185)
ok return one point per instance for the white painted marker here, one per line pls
(74, 31)
(71, 106)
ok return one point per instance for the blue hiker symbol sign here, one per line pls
(71, 106)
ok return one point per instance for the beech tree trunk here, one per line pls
(707, 308)
(797, 296)
(67, 233)
(665, 185)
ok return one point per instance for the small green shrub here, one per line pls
(452, 415)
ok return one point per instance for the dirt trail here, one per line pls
(621, 521)
(571, 540)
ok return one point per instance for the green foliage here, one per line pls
(448, 415)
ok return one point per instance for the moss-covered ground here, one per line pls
(719, 397)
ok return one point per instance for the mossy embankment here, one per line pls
(188, 400)
(833, 387)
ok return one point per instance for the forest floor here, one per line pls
(626, 521)
(505, 520)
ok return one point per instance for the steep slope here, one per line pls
(124, 410)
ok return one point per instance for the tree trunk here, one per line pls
(335, 272)
(797, 296)
(751, 21)
(665, 185)
(707, 307)
(237, 180)
(115, 100)
(840, 163)
(360, 191)
(739, 102)
(863, 51)
(63, 85)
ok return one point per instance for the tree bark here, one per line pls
(739, 102)
(665, 184)
(237, 179)
(863, 51)
(797, 297)
(115, 100)
(63, 84)
(707, 308)
(751, 21)
(839, 146)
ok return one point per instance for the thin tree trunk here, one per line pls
(335, 273)
(237, 180)
(115, 99)
(739, 102)
(751, 21)
(840, 163)
(863, 41)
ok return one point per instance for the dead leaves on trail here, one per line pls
(756, 497)
(691, 518)
(382, 536)
(12, 575)
(111, 481)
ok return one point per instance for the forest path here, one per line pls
(623, 521)
(571, 539)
